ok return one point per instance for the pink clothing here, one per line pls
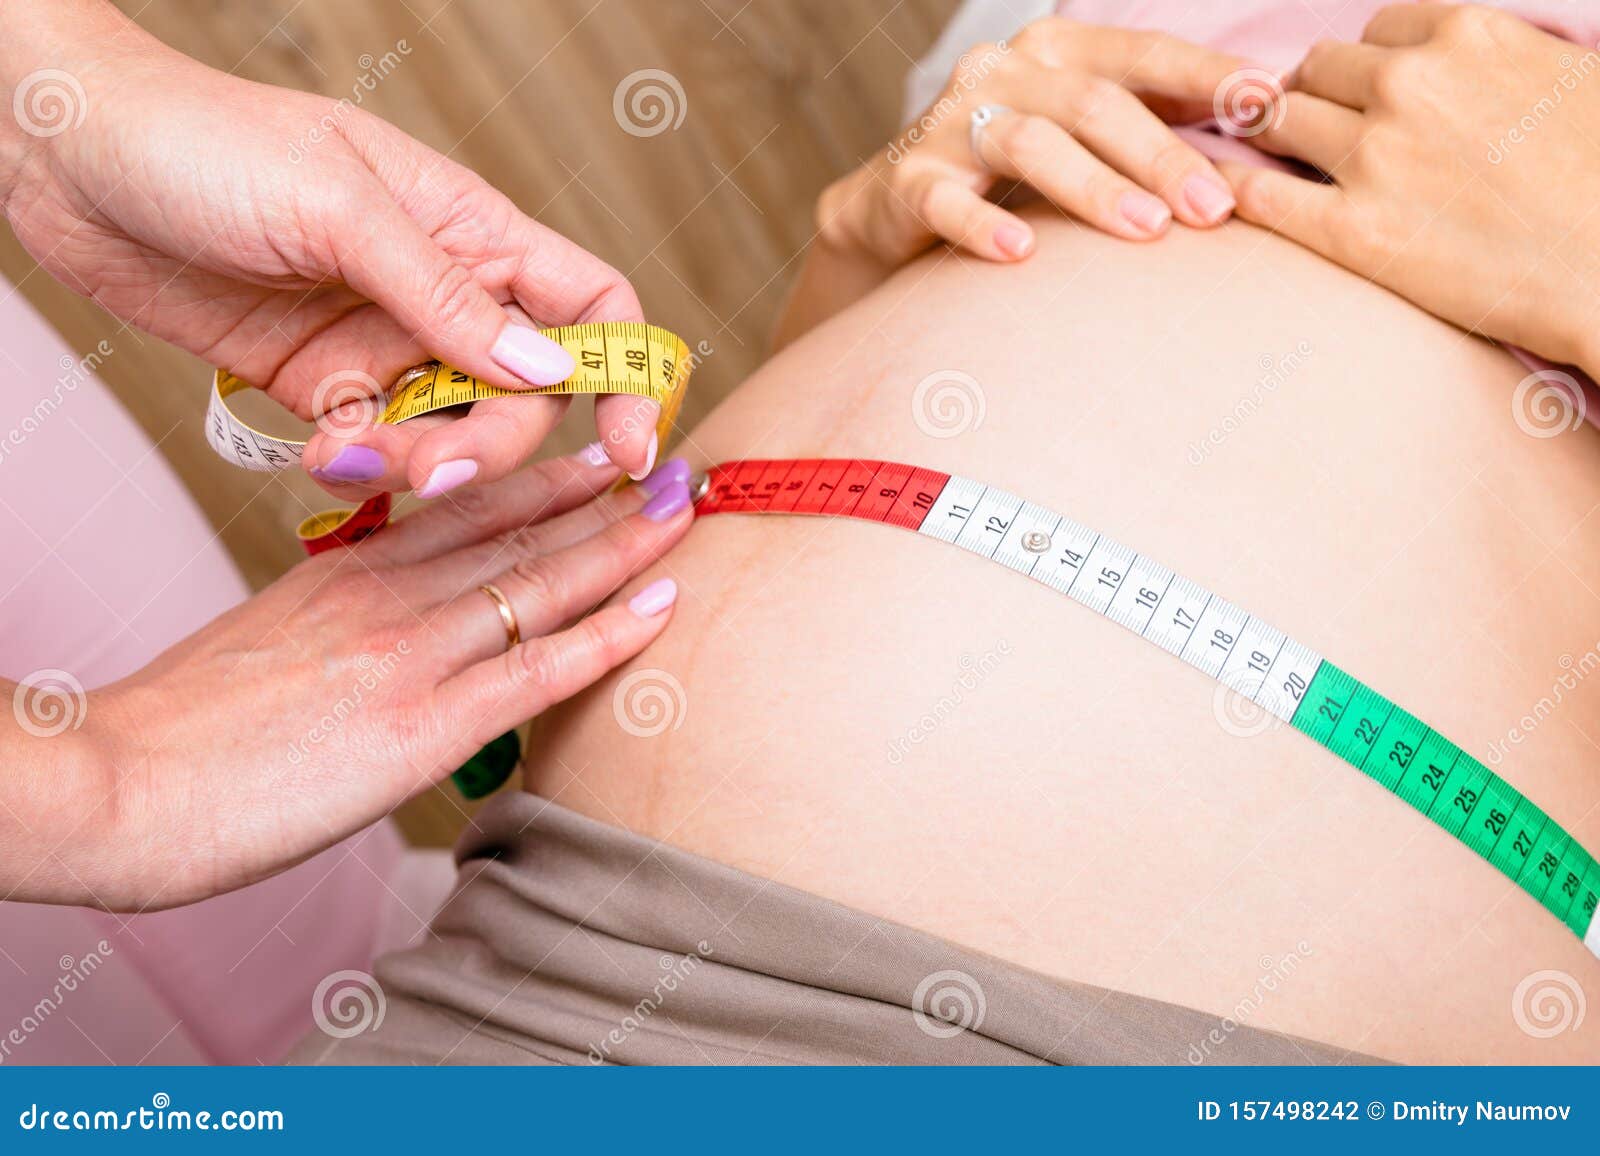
(108, 561)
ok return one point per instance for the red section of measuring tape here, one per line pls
(888, 492)
(372, 514)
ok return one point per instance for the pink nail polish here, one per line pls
(667, 503)
(1144, 212)
(1209, 199)
(669, 471)
(352, 464)
(447, 476)
(594, 454)
(654, 598)
(649, 459)
(1013, 240)
(531, 355)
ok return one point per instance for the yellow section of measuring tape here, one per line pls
(612, 357)
(626, 357)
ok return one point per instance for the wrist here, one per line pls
(59, 65)
(63, 826)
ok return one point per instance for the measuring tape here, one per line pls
(1284, 677)
(610, 357)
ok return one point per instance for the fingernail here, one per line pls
(594, 454)
(447, 476)
(669, 471)
(532, 356)
(1013, 240)
(1146, 213)
(1206, 197)
(654, 598)
(667, 503)
(353, 464)
(649, 459)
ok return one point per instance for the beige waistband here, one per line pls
(569, 941)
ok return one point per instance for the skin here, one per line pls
(292, 240)
(224, 737)
(1430, 195)
(1087, 129)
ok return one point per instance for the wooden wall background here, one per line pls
(708, 219)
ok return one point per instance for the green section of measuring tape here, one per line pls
(1449, 786)
(483, 773)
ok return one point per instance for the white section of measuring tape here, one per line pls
(243, 446)
(1592, 940)
(1183, 618)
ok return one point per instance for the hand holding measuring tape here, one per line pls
(360, 678)
(312, 248)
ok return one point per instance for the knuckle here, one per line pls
(452, 297)
(474, 508)
(603, 638)
(1029, 141)
(537, 664)
(1357, 239)
(1040, 38)
(1091, 96)
(1174, 159)
(1399, 77)
(1311, 67)
(541, 583)
(924, 198)
(1468, 23)
(1105, 190)
(976, 63)
(1256, 191)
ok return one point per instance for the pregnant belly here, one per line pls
(891, 722)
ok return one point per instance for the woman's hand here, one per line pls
(298, 241)
(1082, 131)
(354, 682)
(1464, 150)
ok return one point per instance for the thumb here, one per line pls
(453, 317)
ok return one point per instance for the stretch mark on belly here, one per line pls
(1284, 677)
